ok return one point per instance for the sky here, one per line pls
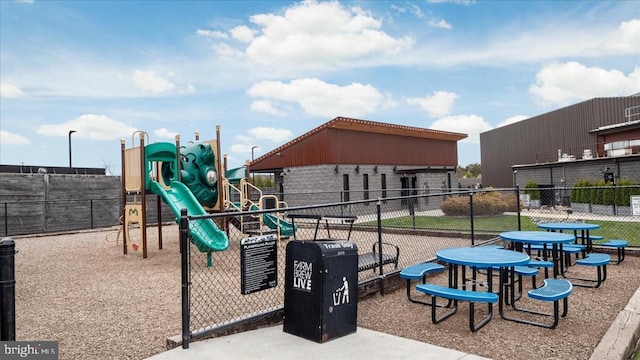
(267, 72)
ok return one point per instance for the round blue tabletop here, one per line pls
(537, 237)
(568, 226)
(482, 257)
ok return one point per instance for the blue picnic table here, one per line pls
(583, 228)
(544, 238)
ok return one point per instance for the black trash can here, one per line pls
(321, 289)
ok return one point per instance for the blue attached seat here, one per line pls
(595, 259)
(540, 264)
(456, 295)
(599, 261)
(552, 290)
(417, 272)
(619, 245)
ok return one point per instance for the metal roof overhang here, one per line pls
(608, 129)
(427, 169)
(364, 126)
(393, 129)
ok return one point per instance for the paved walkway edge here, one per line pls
(620, 340)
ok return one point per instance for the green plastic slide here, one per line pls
(204, 232)
(286, 228)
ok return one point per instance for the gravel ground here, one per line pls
(80, 290)
(591, 312)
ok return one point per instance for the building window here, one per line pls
(365, 186)
(345, 187)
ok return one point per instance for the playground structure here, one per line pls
(190, 177)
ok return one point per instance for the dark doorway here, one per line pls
(345, 187)
(408, 186)
(547, 195)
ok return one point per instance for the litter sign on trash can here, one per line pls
(321, 289)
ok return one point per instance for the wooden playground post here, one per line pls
(143, 191)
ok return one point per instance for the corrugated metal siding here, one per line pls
(538, 139)
(356, 147)
(338, 146)
(314, 150)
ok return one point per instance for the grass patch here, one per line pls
(500, 223)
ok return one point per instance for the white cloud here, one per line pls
(163, 133)
(315, 34)
(212, 34)
(226, 50)
(439, 104)
(9, 138)
(10, 91)
(413, 9)
(318, 98)
(541, 41)
(244, 143)
(512, 119)
(472, 125)
(627, 38)
(272, 134)
(244, 149)
(150, 81)
(565, 83)
(267, 107)
(242, 34)
(90, 127)
(442, 24)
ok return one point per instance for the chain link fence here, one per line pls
(35, 217)
(408, 229)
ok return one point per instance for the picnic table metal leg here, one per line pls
(434, 317)
(418, 301)
(453, 283)
(505, 284)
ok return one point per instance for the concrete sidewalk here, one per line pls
(273, 343)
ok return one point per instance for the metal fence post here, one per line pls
(379, 215)
(7, 290)
(91, 206)
(186, 298)
(471, 217)
(518, 207)
(6, 220)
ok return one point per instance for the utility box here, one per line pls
(321, 289)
